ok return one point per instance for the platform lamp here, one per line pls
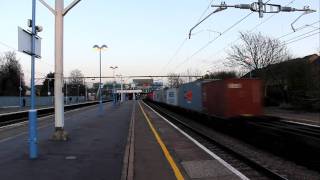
(100, 95)
(95, 95)
(114, 81)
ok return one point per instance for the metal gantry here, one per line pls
(259, 7)
(129, 76)
(114, 84)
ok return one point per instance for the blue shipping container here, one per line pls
(190, 96)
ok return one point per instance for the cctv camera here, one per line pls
(39, 28)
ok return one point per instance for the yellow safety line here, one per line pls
(173, 165)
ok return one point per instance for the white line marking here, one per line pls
(6, 107)
(12, 137)
(294, 122)
(294, 118)
(227, 165)
(23, 133)
(48, 107)
(23, 123)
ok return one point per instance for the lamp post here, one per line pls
(78, 93)
(49, 90)
(86, 90)
(114, 81)
(121, 84)
(100, 95)
(48, 87)
(95, 95)
(20, 92)
(66, 91)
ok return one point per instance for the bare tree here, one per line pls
(174, 80)
(10, 75)
(48, 85)
(76, 77)
(191, 73)
(221, 75)
(76, 85)
(257, 51)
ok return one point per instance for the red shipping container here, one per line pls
(150, 96)
(232, 97)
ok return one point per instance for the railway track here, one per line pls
(290, 127)
(250, 168)
(16, 117)
(291, 141)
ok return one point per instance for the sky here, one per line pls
(149, 37)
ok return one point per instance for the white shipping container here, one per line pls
(172, 96)
(164, 95)
(158, 95)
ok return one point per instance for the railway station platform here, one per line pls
(312, 118)
(95, 149)
(163, 151)
(10, 109)
(128, 141)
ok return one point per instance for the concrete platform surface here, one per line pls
(95, 149)
(150, 161)
(297, 116)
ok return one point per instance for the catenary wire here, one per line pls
(253, 28)
(210, 42)
(286, 43)
(184, 41)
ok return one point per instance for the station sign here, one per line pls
(129, 91)
(24, 42)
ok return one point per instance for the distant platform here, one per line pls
(312, 118)
(9, 109)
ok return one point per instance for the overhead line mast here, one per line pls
(59, 12)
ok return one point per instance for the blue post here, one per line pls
(100, 101)
(33, 151)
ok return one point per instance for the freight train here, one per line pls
(220, 98)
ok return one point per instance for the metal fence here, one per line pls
(14, 101)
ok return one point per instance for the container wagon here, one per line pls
(190, 96)
(172, 96)
(164, 95)
(232, 97)
(150, 96)
(159, 96)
